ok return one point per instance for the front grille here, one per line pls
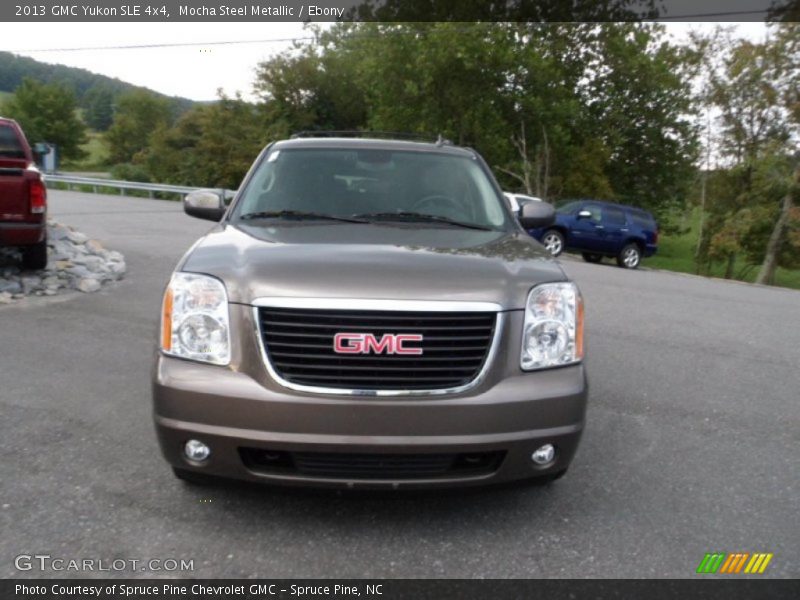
(337, 465)
(299, 346)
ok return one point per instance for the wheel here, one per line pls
(34, 258)
(592, 258)
(553, 241)
(629, 257)
(192, 477)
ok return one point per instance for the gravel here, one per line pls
(75, 262)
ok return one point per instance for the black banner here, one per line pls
(394, 589)
(397, 10)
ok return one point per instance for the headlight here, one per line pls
(553, 330)
(194, 319)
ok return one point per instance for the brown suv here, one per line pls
(369, 312)
(23, 198)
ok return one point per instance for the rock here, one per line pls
(76, 263)
(80, 272)
(57, 233)
(117, 268)
(95, 247)
(76, 237)
(88, 285)
(94, 263)
(30, 284)
(10, 286)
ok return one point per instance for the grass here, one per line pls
(96, 155)
(676, 253)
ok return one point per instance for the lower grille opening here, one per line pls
(340, 465)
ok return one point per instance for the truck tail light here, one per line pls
(655, 236)
(38, 197)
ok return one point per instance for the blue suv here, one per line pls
(599, 229)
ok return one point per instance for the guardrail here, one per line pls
(151, 188)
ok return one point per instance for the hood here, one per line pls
(368, 261)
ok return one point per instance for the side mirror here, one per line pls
(534, 215)
(584, 214)
(204, 204)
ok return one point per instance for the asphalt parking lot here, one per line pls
(691, 444)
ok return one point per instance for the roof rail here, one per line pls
(398, 135)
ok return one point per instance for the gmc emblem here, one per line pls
(367, 343)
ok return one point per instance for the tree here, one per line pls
(212, 145)
(138, 114)
(756, 94)
(99, 108)
(47, 113)
(599, 110)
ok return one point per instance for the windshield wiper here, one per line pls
(420, 217)
(298, 214)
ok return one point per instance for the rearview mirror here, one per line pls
(533, 215)
(204, 204)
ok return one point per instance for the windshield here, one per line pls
(373, 185)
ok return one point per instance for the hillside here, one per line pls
(14, 68)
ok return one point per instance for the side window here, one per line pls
(614, 216)
(643, 221)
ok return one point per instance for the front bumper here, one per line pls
(239, 407)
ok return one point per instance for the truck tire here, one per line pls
(34, 258)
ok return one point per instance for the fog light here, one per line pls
(544, 455)
(196, 450)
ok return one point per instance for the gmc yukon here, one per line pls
(369, 313)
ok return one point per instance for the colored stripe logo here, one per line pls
(734, 563)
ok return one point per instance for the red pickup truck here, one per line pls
(23, 198)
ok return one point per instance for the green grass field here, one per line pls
(676, 253)
(96, 155)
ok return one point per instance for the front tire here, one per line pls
(592, 258)
(629, 257)
(553, 241)
(34, 258)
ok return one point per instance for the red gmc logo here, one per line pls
(366, 343)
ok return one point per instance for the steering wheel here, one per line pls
(441, 205)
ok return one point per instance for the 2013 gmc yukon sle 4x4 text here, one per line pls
(23, 198)
(369, 313)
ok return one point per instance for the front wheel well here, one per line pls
(639, 243)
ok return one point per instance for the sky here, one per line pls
(194, 72)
